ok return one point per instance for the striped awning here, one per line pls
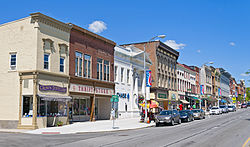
(54, 97)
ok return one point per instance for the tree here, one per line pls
(248, 94)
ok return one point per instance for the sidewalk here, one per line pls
(97, 126)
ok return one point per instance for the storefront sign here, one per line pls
(123, 95)
(173, 97)
(162, 96)
(81, 88)
(52, 88)
(104, 91)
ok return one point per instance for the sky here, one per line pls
(201, 30)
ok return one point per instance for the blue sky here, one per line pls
(210, 30)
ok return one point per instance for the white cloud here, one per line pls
(97, 26)
(175, 45)
(198, 51)
(232, 44)
(244, 75)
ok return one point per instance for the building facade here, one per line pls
(129, 79)
(216, 90)
(34, 59)
(163, 70)
(91, 70)
(224, 85)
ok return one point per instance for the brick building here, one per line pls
(163, 68)
(91, 70)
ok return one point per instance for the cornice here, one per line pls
(39, 17)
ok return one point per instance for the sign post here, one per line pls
(114, 100)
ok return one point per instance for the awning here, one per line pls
(54, 97)
(184, 101)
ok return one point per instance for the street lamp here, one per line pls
(159, 36)
(211, 62)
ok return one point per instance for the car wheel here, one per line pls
(179, 122)
(157, 124)
(204, 117)
(172, 122)
(188, 120)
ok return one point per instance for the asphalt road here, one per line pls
(227, 130)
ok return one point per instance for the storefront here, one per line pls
(173, 100)
(91, 99)
(43, 100)
(162, 99)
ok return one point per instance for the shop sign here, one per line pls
(104, 91)
(81, 88)
(123, 95)
(52, 88)
(173, 97)
(162, 96)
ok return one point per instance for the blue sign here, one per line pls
(148, 78)
(123, 95)
(202, 89)
(52, 88)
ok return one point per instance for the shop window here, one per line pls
(46, 61)
(61, 64)
(78, 64)
(87, 66)
(106, 70)
(13, 61)
(27, 106)
(99, 69)
(26, 83)
(41, 108)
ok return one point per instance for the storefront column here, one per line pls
(34, 118)
(92, 113)
(67, 103)
(20, 102)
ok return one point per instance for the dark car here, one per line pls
(244, 106)
(198, 114)
(168, 117)
(186, 115)
(248, 104)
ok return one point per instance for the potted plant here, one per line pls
(59, 123)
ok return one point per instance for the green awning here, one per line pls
(196, 98)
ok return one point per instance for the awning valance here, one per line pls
(184, 101)
(54, 97)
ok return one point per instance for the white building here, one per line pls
(129, 79)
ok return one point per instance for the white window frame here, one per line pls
(100, 68)
(107, 71)
(62, 64)
(122, 74)
(128, 76)
(47, 61)
(116, 73)
(79, 68)
(88, 71)
(13, 67)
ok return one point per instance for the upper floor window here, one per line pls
(128, 77)
(46, 61)
(106, 70)
(99, 68)
(61, 64)
(116, 76)
(87, 66)
(13, 61)
(78, 64)
(122, 74)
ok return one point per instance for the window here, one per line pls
(46, 61)
(122, 72)
(116, 73)
(106, 70)
(128, 78)
(78, 64)
(61, 64)
(87, 66)
(13, 61)
(99, 69)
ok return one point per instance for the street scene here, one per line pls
(134, 73)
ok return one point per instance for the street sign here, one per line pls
(114, 98)
(234, 101)
(234, 98)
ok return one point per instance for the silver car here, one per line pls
(198, 114)
(168, 117)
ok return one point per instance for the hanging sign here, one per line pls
(148, 78)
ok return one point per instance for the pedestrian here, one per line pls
(181, 107)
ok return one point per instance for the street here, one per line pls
(227, 130)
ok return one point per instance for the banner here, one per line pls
(202, 89)
(148, 78)
(219, 91)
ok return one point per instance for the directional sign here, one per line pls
(114, 98)
(234, 98)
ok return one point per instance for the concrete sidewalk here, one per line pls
(97, 126)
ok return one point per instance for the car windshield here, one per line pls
(244, 104)
(230, 106)
(165, 112)
(187, 111)
(183, 112)
(196, 111)
(222, 106)
(214, 108)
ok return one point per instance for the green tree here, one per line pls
(248, 94)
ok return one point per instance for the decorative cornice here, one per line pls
(39, 17)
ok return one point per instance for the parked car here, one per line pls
(198, 114)
(243, 105)
(186, 116)
(231, 108)
(192, 114)
(168, 117)
(248, 104)
(224, 108)
(215, 110)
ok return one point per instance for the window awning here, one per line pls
(184, 101)
(54, 97)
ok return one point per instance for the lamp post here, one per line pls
(205, 73)
(159, 36)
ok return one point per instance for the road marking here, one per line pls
(246, 142)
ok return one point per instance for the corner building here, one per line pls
(91, 70)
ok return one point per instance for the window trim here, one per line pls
(48, 61)
(13, 67)
(88, 75)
